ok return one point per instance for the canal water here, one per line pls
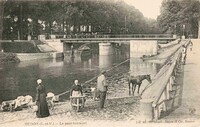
(58, 75)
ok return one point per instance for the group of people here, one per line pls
(76, 91)
(100, 92)
(184, 51)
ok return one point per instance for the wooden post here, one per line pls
(171, 82)
(78, 99)
(199, 29)
(156, 113)
(167, 91)
(164, 106)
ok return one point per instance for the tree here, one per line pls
(181, 16)
(57, 17)
(1, 18)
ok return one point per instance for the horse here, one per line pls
(137, 80)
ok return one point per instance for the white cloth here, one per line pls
(23, 100)
(50, 94)
(76, 94)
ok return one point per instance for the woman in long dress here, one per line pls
(43, 110)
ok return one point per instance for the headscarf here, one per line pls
(39, 81)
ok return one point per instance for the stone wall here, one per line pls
(138, 48)
(139, 67)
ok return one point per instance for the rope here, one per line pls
(108, 70)
(94, 77)
(63, 93)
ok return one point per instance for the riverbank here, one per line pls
(117, 110)
(124, 108)
(6, 58)
(119, 107)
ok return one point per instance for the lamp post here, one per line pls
(183, 34)
(183, 30)
(125, 24)
(18, 32)
(175, 29)
(174, 32)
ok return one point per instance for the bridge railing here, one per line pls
(114, 36)
(161, 95)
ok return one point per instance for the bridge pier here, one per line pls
(105, 49)
(106, 52)
(139, 48)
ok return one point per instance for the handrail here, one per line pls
(114, 36)
(169, 72)
(163, 83)
(166, 80)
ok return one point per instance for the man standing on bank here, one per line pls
(43, 110)
(102, 88)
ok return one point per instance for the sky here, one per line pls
(149, 8)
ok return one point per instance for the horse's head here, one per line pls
(148, 77)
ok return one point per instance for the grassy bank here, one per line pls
(8, 58)
(19, 47)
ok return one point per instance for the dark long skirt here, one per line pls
(43, 110)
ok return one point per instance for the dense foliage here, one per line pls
(19, 47)
(180, 17)
(23, 18)
(6, 58)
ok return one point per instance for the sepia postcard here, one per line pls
(86, 63)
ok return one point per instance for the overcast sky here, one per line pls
(149, 8)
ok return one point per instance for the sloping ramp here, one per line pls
(46, 48)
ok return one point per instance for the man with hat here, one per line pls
(102, 88)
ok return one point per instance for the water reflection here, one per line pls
(105, 61)
(139, 67)
(57, 75)
(86, 58)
